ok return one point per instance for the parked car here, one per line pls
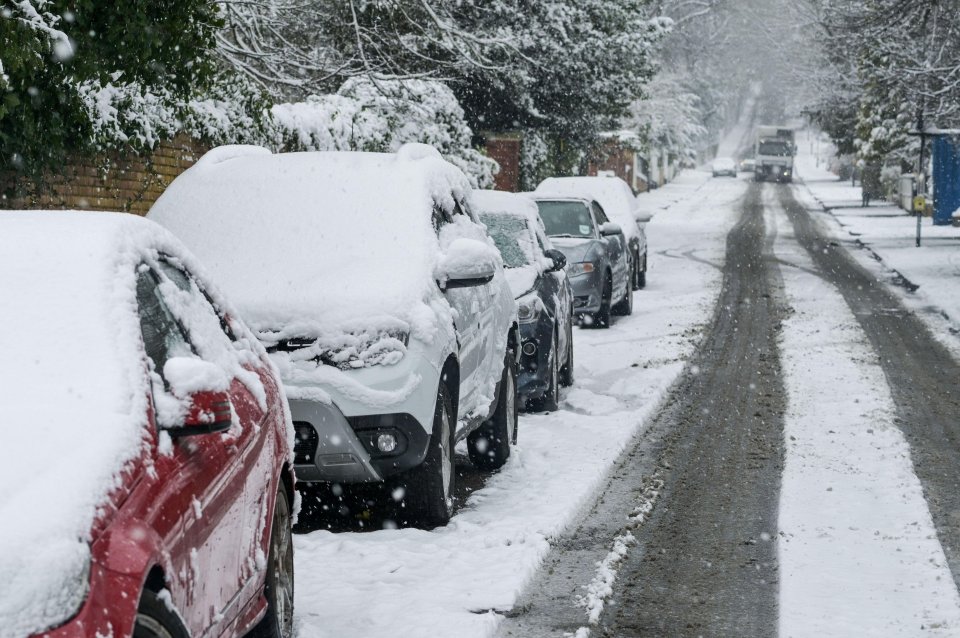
(535, 272)
(620, 205)
(597, 257)
(748, 165)
(381, 299)
(724, 166)
(161, 505)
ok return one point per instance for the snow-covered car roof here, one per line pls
(612, 193)
(725, 162)
(73, 396)
(308, 242)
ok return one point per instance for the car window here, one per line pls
(566, 218)
(598, 212)
(188, 284)
(440, 218)
(163, 337)
(512, 238)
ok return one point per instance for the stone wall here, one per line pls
(117, 181)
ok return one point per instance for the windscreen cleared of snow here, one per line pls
(612, 193)
(73, 401)
(318, 244)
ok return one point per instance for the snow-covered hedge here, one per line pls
(361, 116)
(368, 115)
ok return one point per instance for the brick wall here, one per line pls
(116, 181)
(505, 149)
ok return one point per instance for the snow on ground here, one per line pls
(890, 235)
(859, 555)
(452, 581)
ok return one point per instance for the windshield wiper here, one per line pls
(563, 235)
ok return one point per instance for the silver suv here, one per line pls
(381, 299)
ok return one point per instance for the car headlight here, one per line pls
(580, 268)
(529, 308)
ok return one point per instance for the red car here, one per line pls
(146, 484)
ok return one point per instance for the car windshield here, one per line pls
(566, 219)
(775, 148)
(512, 237)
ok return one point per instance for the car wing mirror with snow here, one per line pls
(643, 217)
(558, 258)
(201, 390)
(466, 263)
(609, 228)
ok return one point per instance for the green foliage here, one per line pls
(53, 47)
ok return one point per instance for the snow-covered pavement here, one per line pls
(889, 235)
(453, 581)
(859, 553)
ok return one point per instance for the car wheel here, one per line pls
(489, 445)
(624, 307)
(551, 396)
(642, 278)
(156, 620)
(566, 371)
(428, 490)
(278, 590)
(601, 318)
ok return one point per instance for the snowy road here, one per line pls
(459, 580)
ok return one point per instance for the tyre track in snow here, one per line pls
(704, 559)
(920, 371)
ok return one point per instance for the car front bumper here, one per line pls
(587, 292)
(337, 439)
(534, 379)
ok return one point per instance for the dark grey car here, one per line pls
(597, 259)
(535, 272)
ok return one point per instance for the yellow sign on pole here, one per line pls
(919, 204)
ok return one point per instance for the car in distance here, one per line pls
(748, 165)
(379, 297)
(620, 204)
(724, 166)
(535, 272)
(165, 509)
(597, 256)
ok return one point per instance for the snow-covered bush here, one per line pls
(368, 115)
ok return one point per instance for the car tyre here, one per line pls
(642, 277)
(624, 307)
(278, 589)
(601, 318)
(489, 445)
(550, 400)
(156, 620)
(566, 371)
(428, 488)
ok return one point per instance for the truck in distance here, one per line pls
(774, 149)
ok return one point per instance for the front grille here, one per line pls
(305, 446)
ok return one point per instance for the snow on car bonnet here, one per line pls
(72, 400)
(320, 244)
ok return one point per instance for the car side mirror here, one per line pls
(202, 389)
(558, 258)
(209, 413)
(609, 228)
(467, 263)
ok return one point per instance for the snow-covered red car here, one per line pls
(146, 483)
(619, 204)
(380, 298)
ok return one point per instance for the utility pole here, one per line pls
(922, 181)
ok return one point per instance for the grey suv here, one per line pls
(597, 259)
